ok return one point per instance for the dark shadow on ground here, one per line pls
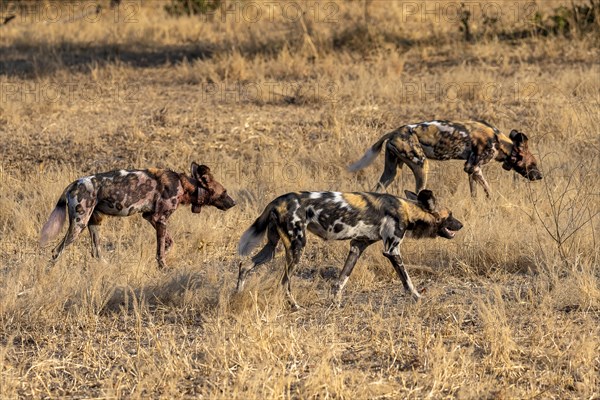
(38, 59)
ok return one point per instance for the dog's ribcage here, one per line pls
(337, 216)
(443, 140)
(118, 193)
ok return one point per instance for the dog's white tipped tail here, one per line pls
(254, 235)
(250, 239)
(365, 161)
(55, 222)
(370, 155)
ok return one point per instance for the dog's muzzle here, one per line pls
(534, 175)
(451, 226)
(224, 203)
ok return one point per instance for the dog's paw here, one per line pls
(416, 297)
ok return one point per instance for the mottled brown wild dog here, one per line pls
(476, 142)
(362, 218)
(156, 193)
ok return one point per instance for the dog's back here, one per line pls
(329, 215)
(448, 140)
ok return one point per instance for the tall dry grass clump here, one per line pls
(282, 103)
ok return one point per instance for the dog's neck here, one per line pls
(203, 195)
(422, 223)
(505, 146)
(419, 214)
(192, 189)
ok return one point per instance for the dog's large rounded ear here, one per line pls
(410, 195)
(201, 173)
(518, 138)
(199, 170)
(426, 199)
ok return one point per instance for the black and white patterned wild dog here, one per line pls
(474, 141)
(362, 218)
(156, 193)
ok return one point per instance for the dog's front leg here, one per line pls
(472, 185)
(478, 177)
(168, 239)
(161, 234)
(398, 264)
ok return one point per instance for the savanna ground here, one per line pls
(274, 103)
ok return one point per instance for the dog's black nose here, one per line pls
(534, 175)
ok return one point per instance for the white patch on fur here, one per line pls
(87, 182)
(296, 217)
(442, 127)
(387, 232)
(352, 231)
(387, 227)
(337, 198)
(315, 195)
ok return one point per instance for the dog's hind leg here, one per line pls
(290, 265)
(390, 169)
(93, 227)
(262, 257)
(420, 173)
(294, 245)
(78, 220)
(356, 249)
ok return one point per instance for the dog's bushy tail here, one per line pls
(370, 155)
(55, 222)
(254, 235)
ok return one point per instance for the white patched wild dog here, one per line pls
(476, 142)
(156, 193)
(362, 218)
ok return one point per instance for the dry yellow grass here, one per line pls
(512, 307)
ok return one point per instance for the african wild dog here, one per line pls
(156, 193)
(363, 218)
(476, 142)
